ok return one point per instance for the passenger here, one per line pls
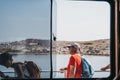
(105, 68)
(74, 68)
(20, 68)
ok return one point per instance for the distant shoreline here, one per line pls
(53, 54)
(38, 46)
(88, 54)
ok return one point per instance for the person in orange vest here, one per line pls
(74, 68)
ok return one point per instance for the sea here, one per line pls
(59, 61)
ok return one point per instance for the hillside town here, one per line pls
(38, 46)
(27, 46)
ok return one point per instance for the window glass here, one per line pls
(86, 23)
(25, 32)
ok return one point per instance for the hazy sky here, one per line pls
(82, 21)
(72, 20)
(21, 19)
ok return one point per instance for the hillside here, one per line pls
(39, 46)
(96, 47)
(27, 46)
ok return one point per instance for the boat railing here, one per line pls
(57, 74)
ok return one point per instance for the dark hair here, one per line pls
(4, 57)
(33, 69)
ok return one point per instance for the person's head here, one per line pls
(74, 48)
(6, 59)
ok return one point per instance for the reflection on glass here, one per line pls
(25, 32)
(88, 24)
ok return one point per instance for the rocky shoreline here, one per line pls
(96, 47)
(38, 46)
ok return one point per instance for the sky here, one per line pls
(22, 19)
(72, 20)
(82, 20)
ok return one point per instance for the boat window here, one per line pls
(41, 30)
(87, 23)
(25, 33)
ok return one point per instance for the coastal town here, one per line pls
(39, 46)
(28, 46)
